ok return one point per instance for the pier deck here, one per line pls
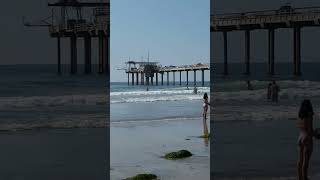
(270, 20)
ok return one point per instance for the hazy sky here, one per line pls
(174, 31)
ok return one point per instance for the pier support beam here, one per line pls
(102, 53)
(137, 78)
(187, 77)
(225, 45)
(156, 79)
(59, 54)
(147, 80)
(87, 54)
(180, 77)
(162, 78)
(142, 79)
(73, 48)
(174, 78)
(271, 52)
(132, 78)
(151, 81)
(247, 52)
(202, 77)
(297, 51)
(128, 79)
(195, 78)
(168, 78)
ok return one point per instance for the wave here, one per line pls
(289, 91)
(73, 121)
(52, 101)
(170, 91)
(257, 113)
(158, 99)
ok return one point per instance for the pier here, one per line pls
(76, 20)
(148, 70)
(269, 20)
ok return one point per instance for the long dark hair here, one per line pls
(305, 109)
(205, 96)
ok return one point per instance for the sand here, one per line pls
(67, 154)
(138, 147)
(259, 150)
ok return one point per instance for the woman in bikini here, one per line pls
(205, 111)
(305, 140)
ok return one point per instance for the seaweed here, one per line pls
(143, 177)
(178, 155)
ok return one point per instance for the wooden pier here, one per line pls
(149, 70)
(269, 20)
(74, 24)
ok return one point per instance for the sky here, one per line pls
(175, 32)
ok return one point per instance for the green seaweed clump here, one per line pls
(143, 177)
(178, 155)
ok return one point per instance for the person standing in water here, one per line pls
(205, 111)
(269, 92)
(275, 91)
(249, 86)
(305, 139)
(195, 90)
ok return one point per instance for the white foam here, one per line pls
(36, 101)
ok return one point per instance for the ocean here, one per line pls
(35, 97)
(134, 103)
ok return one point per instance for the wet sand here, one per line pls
(259, 150)
(138, 147)
(51, 154)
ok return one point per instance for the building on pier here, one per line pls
(150, 70)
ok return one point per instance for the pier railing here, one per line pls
(266, 17)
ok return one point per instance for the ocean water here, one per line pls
(133, 103)
(232, 100)
(34, 96)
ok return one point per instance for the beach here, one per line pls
(52, 127)
(52, 154)
(145, 125)
(255, 138)
(138, 147)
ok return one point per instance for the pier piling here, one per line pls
(247, 52)
(128, 79)
(174, 78)
(87, 54)
(202, 78)
(59, 54)
(297, 51)
(271, 52)
(142, 78)
(137, 78)
(73, 48)
(168, 78)
(162, 78)
(187, 82)
(225, 45)
(180, 77)
(156, 79)
(132, 78)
